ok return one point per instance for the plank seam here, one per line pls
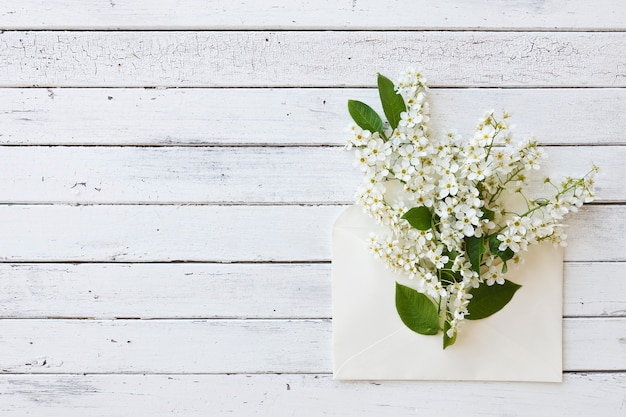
(252, 319)
(321, 86)
(5, 373)
(211, 145)
(304, 87)
(241, 318)
(334, 29)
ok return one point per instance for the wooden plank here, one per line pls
(580, 395)
(165, 346)
(235, 175)
(252, 59)
(148, 291)
(166, 233)
(322, 14)
(232, 346)
(583, 296)
(167, 290)
(175, 175)
(292, 116)
(226, 233)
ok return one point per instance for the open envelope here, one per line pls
(521, 342)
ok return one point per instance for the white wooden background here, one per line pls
(170, 172)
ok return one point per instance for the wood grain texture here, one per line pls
(165, 346)
(233, 346)
(304, 396)
(166, 233)
(322, 14)
(105, 291)
(178, 175)
(583, 296)
(226, 233)
(169, 290)
(287, 116)
(308, 175)
(261, 59)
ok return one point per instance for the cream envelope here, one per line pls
(522, 342)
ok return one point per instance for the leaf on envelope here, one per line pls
(505, 255)
(487, 300)
(475, 249)
(416, 310)
(447, 340)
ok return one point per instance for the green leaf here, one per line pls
(494, 243)
(488, 214)
(475, 248)
(419, 217)
(365, 117)
(451, 257)
(487, 300)
(450, 277)
(447, 269)
(392, 102)
(416, 310)
(448, 341)
(505, 255)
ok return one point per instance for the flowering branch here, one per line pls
(442, 202)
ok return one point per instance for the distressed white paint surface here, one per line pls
(237, 174)
(261, 316)
(166, 233)
(278, 59)
(164, 290)
(287, 116)
(234, 346)
(280, 233)
(305, 395)
(582, 281)
(321, 14)
(183, 290)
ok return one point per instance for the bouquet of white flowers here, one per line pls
(442, 201)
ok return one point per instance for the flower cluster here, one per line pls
(442, 199)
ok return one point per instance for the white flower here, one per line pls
(478, 171)
(403, 170)
(408, 151)
(378, 150)
(519, 225)
(447, 186)
(557, 210)
(409, 118)
(509, 241)
(359, 137)
(437, 258)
